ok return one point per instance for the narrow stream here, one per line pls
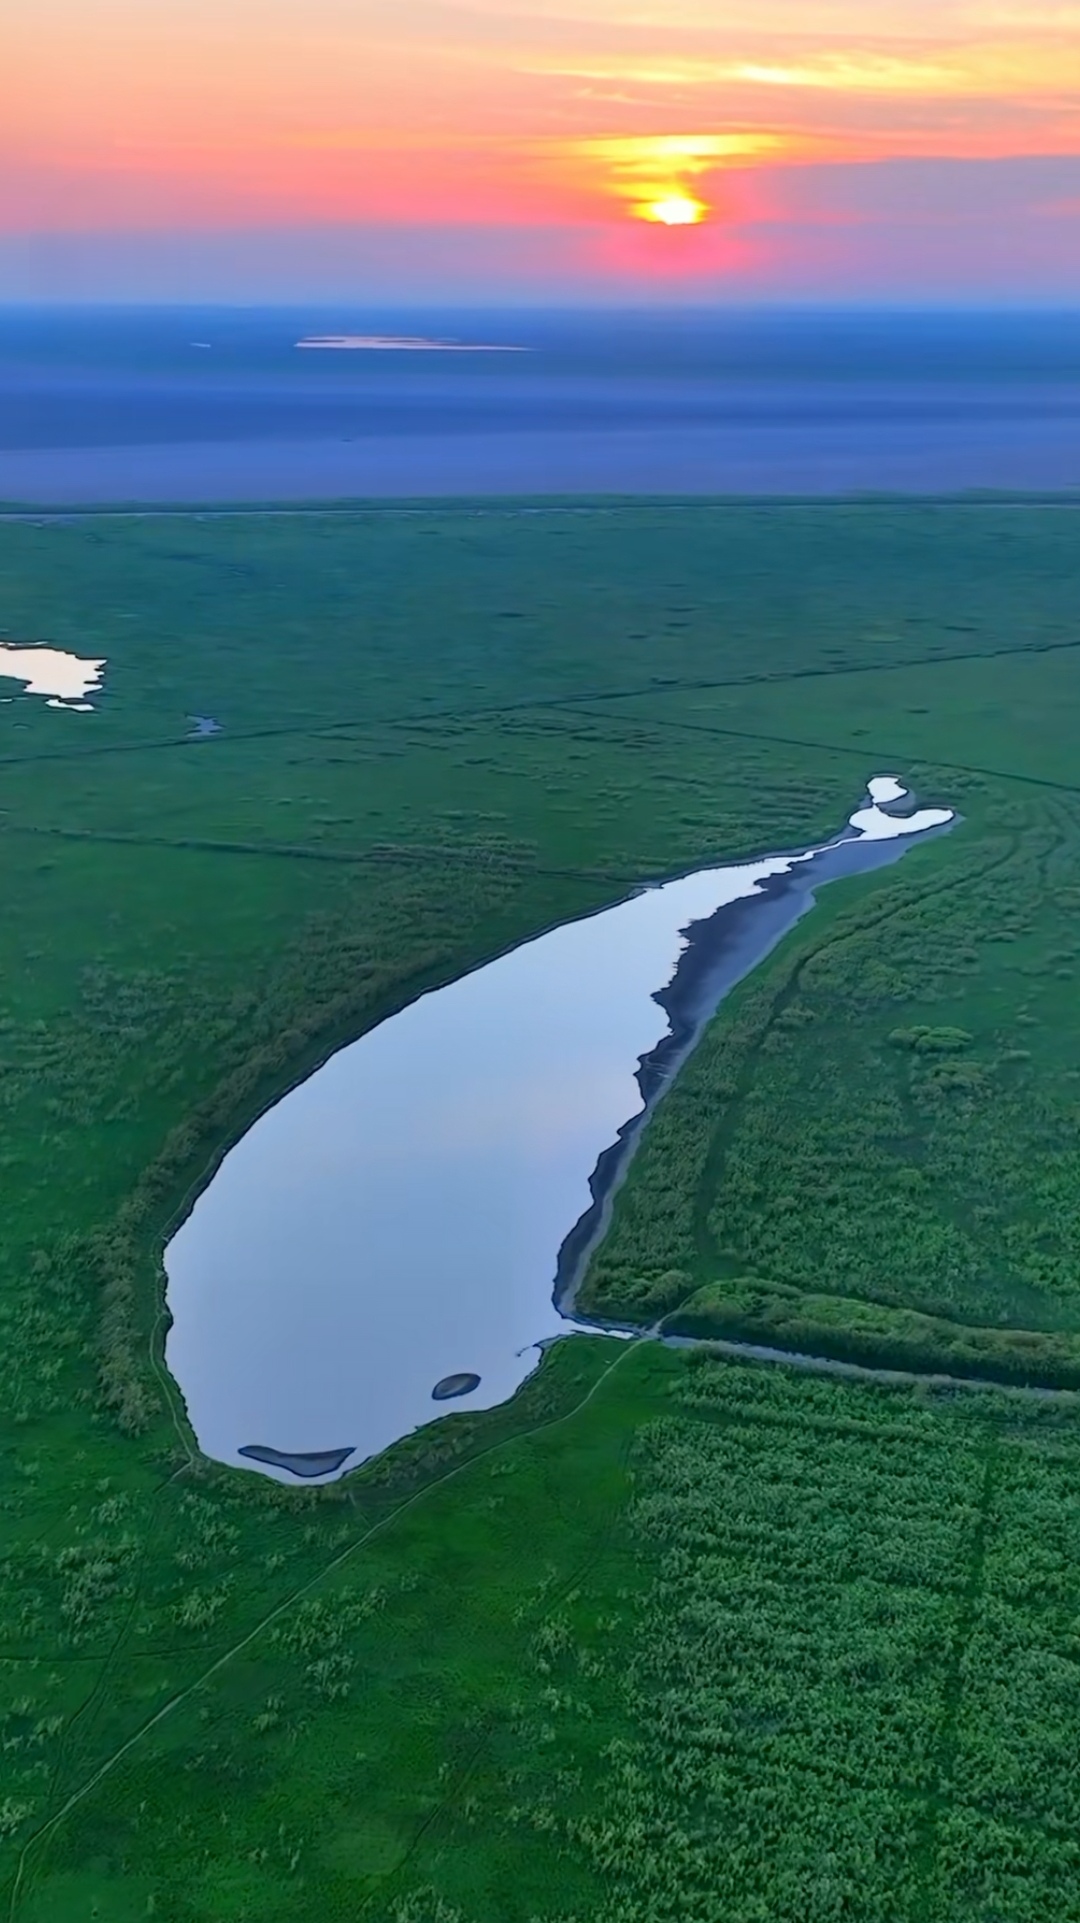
(397, 1236)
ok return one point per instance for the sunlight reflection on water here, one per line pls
(64, 680)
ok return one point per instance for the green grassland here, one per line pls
(672, 1635)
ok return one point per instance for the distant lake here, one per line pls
(195, 405)
(402, 1230)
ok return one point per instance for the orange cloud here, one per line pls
(529, 111)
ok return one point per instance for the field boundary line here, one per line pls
(653, 689)
(863, 752)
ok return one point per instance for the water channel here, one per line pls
(396, 1237)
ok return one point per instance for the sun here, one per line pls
(675, 210)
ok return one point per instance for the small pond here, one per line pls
(393, 1240)
(62, 679)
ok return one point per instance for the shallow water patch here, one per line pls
(63, 679)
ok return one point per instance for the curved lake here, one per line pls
(396, 1225)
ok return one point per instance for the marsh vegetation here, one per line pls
(663, 1636)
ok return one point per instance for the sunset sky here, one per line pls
(524, 149)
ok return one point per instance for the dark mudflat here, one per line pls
(454, 1385)
(320, 1462)
(721, 950)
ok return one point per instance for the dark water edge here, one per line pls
(308, 1464)
(721, 952)
(808, 461)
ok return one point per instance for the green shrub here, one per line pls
(931, 1041)
(841, 1328)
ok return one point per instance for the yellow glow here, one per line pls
(1005, 69)
(686, 153)
(655, 175)
(867, 73)
(675, 210)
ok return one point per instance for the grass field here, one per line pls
(668, 1637)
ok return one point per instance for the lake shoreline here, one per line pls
(722, 950)
(460, 1077)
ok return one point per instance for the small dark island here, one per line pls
(318, 1462)
(454, 1385)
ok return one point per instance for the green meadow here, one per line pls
(675, 1634)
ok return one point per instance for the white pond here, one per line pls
(64, 680)
(398, 1218)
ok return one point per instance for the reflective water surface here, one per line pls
(65, 680)
(397, 1220)
(171, 405)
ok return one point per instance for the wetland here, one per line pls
(667, 1632)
